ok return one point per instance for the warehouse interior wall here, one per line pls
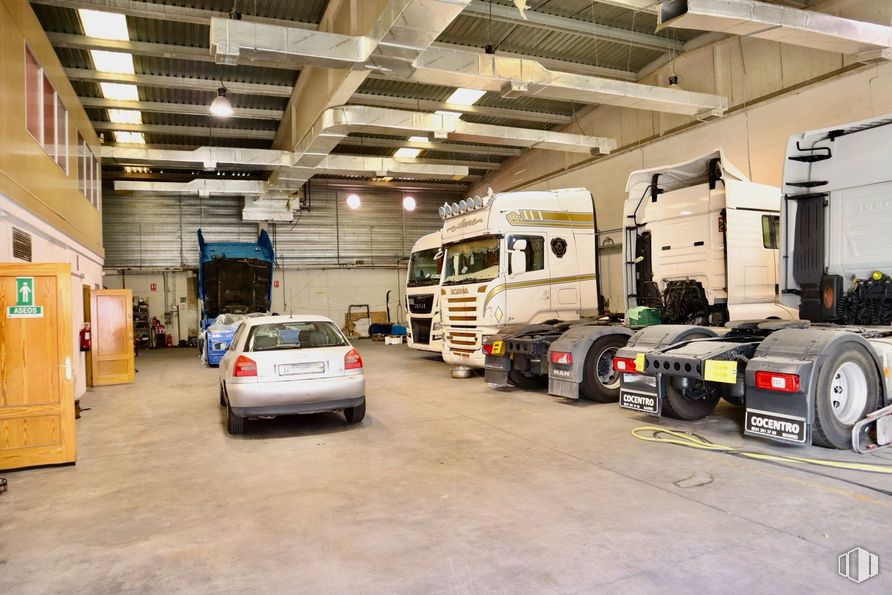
(774, 91)
(319, 290)
(159, 232)
(48, 245)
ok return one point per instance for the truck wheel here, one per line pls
(600, 382)
(680, 407)
(527, 380)
(848, 388)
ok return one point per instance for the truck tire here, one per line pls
(680, 407)
(600, 382)
(527, 380)
(848, 388)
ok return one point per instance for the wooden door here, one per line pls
(36, 366)
(88, 318)
(112, 336)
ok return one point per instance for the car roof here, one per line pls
(286, 318)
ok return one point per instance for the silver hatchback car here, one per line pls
(285, 365)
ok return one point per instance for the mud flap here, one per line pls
(642, 393)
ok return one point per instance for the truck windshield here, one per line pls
(472, 261)
(424, 269)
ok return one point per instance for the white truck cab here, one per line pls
(423, 294)
(518, 257)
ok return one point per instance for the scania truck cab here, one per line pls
(519, 257)
(699, 246)
(423, 294)
(813, 380)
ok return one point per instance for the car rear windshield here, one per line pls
(294, 335)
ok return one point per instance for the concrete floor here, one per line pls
(447, 486)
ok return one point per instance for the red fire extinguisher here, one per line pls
(86, 337)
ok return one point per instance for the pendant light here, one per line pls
(221, 106)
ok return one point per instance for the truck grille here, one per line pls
(421, 304)
(461, 310)
(463, 342)
(421, 331)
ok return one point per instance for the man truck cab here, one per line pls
(519, 257)
(423, 294)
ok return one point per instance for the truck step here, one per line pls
(813, 184)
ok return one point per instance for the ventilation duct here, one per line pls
(211, 157)
(516, 77)
(403, 54)
(783, 24)
(201, 187)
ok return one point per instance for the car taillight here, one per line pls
(352, 360)
(624, 364)
(244, 366)
(783, 383)
(561, 357)
(487, 349)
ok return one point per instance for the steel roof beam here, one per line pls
(145, 48)
(178, 82)
(477, 110)
(165, 12)
(178, 108)
(541, 20)
(198, 131)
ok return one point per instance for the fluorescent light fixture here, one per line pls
(407, 153)
(134, 138)
(418, 139)
(353, 201)
(120, 91)
(447, 114)
(125, 116)
(409, 203)
(463, 96)
(113, 61)
(129, 169)
(104, 25)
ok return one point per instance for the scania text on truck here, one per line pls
(808, 381)
(425, 330)
(518, 257)
(698, 247)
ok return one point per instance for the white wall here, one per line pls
(181, 321)
(325, 291)
(51, 246)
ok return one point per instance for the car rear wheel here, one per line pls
(355, 415)
(234, 423)
(527, 380)
(600, 382)
(848, 388)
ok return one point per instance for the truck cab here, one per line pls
(815, 380)
(425, 330)
(510, 258)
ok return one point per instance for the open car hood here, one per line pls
(235, 277)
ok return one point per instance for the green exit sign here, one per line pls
(24, 300)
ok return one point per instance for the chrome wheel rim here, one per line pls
(848, 393)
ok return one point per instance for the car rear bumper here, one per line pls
(301, 396)
(297, 408)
